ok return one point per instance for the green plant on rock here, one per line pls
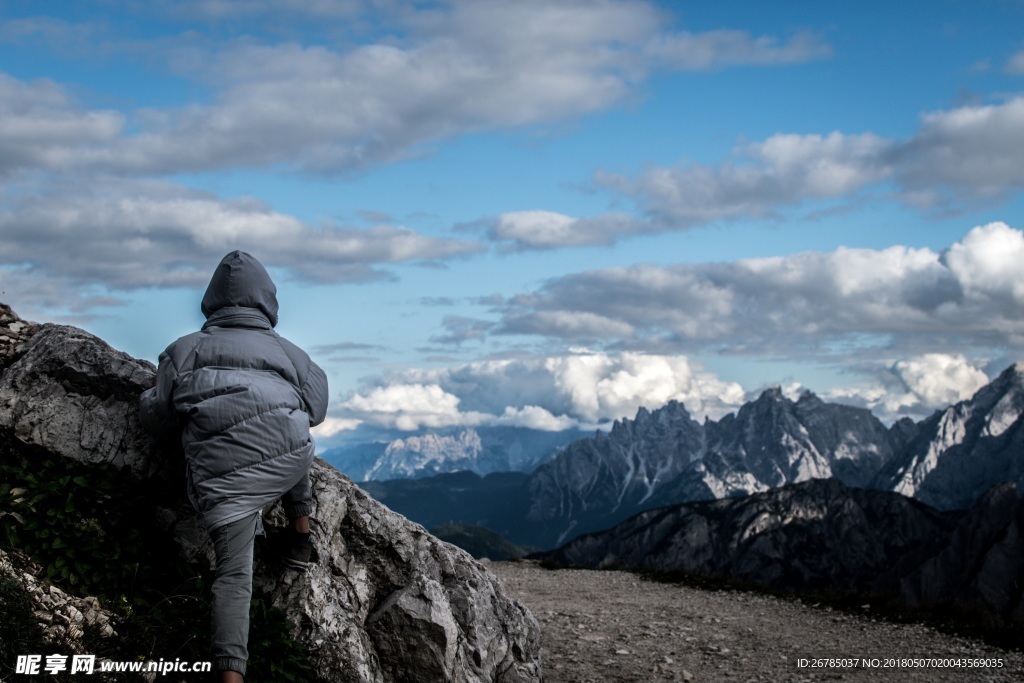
(93, 530)
(274, 656)
(66, 518)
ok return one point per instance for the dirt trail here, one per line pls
(613, 626)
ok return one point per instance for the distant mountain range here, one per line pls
(821, 535)
(665, 457)
(481, 450)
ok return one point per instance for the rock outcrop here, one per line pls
(14, 332)
(62, 617)
(385, 602)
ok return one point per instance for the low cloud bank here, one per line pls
(582, 389)
(585, 390)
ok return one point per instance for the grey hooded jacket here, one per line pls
(243, 397)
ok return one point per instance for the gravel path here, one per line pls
(612, 626)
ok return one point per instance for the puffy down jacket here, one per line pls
(243, 397)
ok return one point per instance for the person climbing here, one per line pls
(243, 399)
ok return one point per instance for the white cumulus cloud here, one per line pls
(987, 263)
(973, 291)
(44, 128)
(938, 380)
(957, 158)
(344, 102)
(579, 389)
(408, 407)
(964, 154)
(121, 235)
(913, 387)
(540, 228)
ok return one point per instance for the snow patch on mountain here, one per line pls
(430, 452)
(481, 450)
(1003, 416)
(950, 432)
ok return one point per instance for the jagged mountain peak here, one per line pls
(671, 410)
(765, 420)
(671, 413)
(961, 451)
(776, 396)
(809, 398)
(771, 401)
(664, 455)
(1007, 388)
(675, 407)
(772, 393)
(1012, 378)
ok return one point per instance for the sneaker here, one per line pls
(299, 552)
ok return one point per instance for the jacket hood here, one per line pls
(241, 280)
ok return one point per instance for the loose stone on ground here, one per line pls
(614, 626)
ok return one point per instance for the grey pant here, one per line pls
(231, 592)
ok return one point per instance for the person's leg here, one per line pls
(298, 503)
(231, 594)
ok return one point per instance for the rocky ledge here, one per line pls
(386, 601)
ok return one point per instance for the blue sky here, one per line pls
(533, 213)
